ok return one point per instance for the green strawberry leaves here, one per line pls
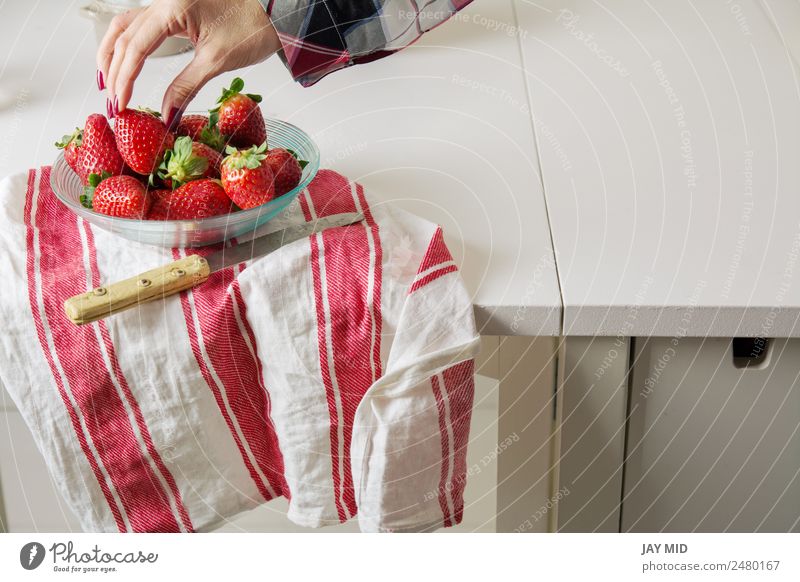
(88, 191)
(236, 87)
(76, 136)
(211, 136)
(250, 158)
(180, 164)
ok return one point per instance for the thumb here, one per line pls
(185, 86)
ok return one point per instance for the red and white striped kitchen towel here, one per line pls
(337, 372)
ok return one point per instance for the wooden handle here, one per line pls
(155, 284)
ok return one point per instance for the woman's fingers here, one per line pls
(189, 81)
(129, 47)
(119, 52)
(148, 37)
(224, 40)
(106, 49)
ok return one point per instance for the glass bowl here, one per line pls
(194, 233)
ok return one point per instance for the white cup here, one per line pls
(102, 11)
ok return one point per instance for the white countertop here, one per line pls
(671, 162)
(443, 129)
(650, 238)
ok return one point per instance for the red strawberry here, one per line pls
(213, 156)
(197, 127)
(121, 196)
(238, 116)
(286, 168)
(159, 209)
(92, 150)
(192, 125)
(194, 200)
(188, 160)
(98, 153)
(247, 177)
(71, 145)
(142, 139)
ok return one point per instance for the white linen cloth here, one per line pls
(337, 371)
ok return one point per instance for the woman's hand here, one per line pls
(226, 34)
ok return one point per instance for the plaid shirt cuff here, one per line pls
(323, 36)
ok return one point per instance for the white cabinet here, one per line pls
(712, 446)
(29, 499)
(592, 390)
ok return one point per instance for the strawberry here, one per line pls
(238, 116)
(99, 153)
(92, 150)
(188, 160)
(214, 158)
(197, 127)
(192, 125)
(71, 145)
(247, 177)
(159, 209)
(194, 200)
(121, 196)
(286, 168)
(142, 139)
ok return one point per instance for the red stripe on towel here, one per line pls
(436, 254)
(431, 277)
(444, 480)
(63, 274)
(132, 402)
(209, 314)
(327, 381)
(459, 382)
(377, 279)
(37, 318)
(352, 272)
(239, 370)
(275, 465)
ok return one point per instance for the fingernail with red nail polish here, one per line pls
(109, 111)
(174, 117)
(115, 107)
(100, 83)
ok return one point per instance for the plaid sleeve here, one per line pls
(323, 36)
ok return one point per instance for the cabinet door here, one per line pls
(29, 498)
(712, 445)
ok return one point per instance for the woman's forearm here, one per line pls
(319, 37)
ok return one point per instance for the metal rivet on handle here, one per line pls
(178, 272)
(100, 291)
(144, 282)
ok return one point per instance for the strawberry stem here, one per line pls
(93, 180)
(76, 136)
(211, 136)
(180, 164)
(250, 158)
(236, 87)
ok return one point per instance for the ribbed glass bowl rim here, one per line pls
(239, 217)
